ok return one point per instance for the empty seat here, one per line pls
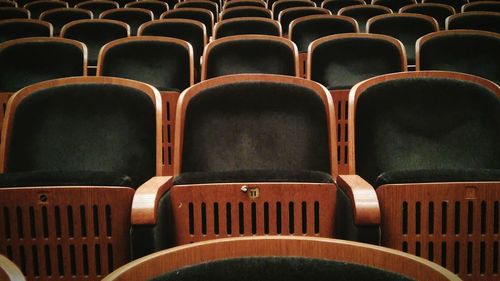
(166, 63)
(155, 6)
(342, 60)
(487, 21)
(485, 6)
(278, 258)
(77, 149)
(9, 271)
(244, 3)
(61, 16)
(191, 31)
(362, 13)
(134, 17)
(407, 28)
(394, 5)
(38, 7)
(335, 5)
(249, 54)
(20, 28)
(247, 139)
(203, 4)
(306, 29)
(456, 4)
(95, 34)
(201, 15)
(251, 25)
(288, 15)
(97, 6)
(438, 11)
(280, 5)
(245, 12)
(13, 13)
(171, 3)
(470, 51)
(425, 146)
(8, 3)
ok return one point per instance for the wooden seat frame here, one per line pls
(237, 20)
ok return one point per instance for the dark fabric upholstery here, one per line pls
(250, 56)
(94, 35)
(472, 53)
(14, 30)
(97, 7)
(394, 5)
(406, 29)
(289, 4)
(279, 268)
(456, 4)
(30, 62)
(164, 65)
(39, 7)
(362, 14)
(209, 6)
(485, 7)
(156, 8)
(7, 3)
(122, 3)
(60, 18)
(335, 5)
(439, 13)
(134, 18)
(64, 178)
(244, 12)
(255, 126)
(233, 4)
(305, 32)
(201, 16)
(341, 63)
(248, 26)
(483, 21)
(287, 16)
(437, 175)
(253, 176)
(13, 13)
(85, 127)
(426, 123)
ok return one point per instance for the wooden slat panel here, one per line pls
(340, 101)
(169, 104)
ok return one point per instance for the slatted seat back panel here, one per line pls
(203, 212)
(341, 104)
(169, 104)
(59, 233)
(454, 225)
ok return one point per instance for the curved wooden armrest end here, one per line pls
(147, 198)
(366, 210)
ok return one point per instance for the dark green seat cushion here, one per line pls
(437, 175)
(64, 178)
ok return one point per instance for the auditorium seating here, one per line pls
(8, 3)
(438, 11)
(254, 155)
(335, 5)
(166, 63)
(38, 7)
(9, 271)
(484, 6)
(281, 258)
(394, 5)
(487, 21)
(469, 51)
(244, 3)
(94, 34)
(245, 12)
(202, 15)
(250, 54)
(281, 5)
(456, 4)
(202, 4)
(250, 25)
(60, 16)
(407, 28)
(155, 6)
(14, 13)
(134, 17)
(20, 28)
(73, 152)
(340, 61)
(97, 6)
(424, 148)
(362, 13)
(286, 16)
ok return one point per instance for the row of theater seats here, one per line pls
(207, 12)
(337, 61)
(84, 191)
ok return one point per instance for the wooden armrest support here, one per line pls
(147, 198)
(364, 201)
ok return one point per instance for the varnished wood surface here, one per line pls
(146, 200)
(364, 201)
(320, 248)
(9, 271)
(321, 91)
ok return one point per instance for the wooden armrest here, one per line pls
(147, 198)
(364, 201)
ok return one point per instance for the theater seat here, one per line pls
(487, 21)
(438, 11)
(97, 6)
(21, 28)
(61, 16)
(247, 25)
(134, 17)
